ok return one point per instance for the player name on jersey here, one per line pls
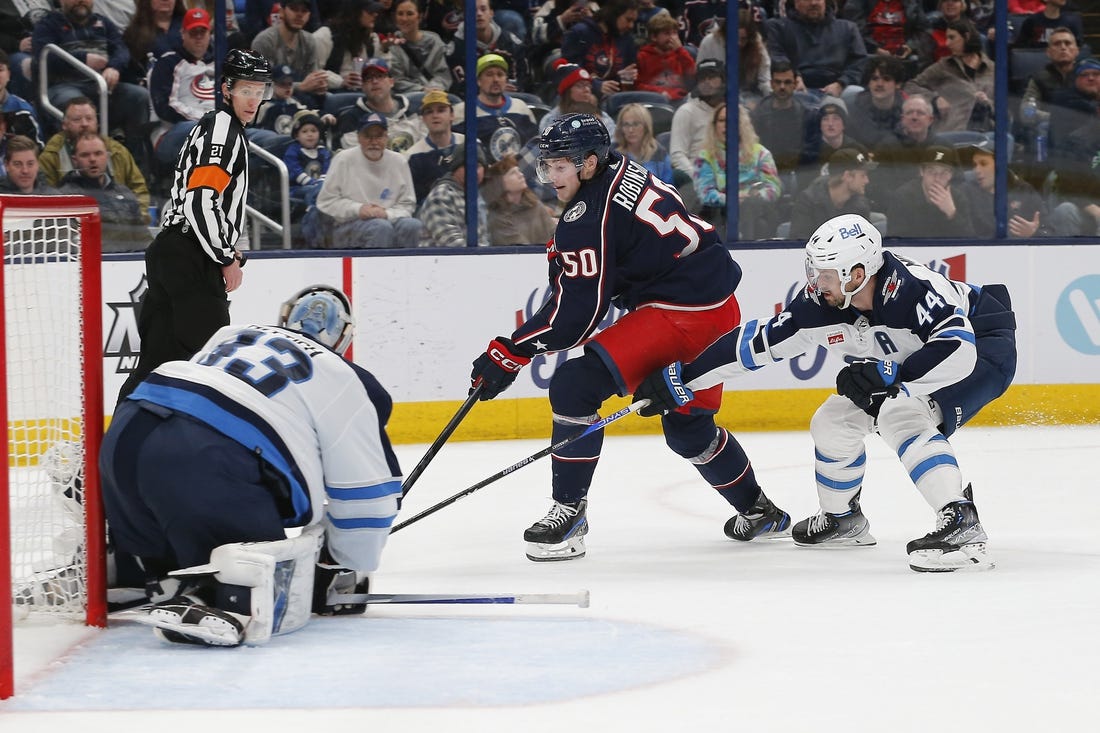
(630, 186)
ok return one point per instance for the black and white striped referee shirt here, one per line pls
(210, 185)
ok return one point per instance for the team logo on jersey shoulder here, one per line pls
(891, 286)
(575, 213)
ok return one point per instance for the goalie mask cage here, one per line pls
(52, 548)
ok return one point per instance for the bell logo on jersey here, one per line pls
(575, 213)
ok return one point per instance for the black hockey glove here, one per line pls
(329, 578)
(665, 390)
(497, 368)
(868, 383)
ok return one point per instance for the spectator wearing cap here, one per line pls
(932, 205)
(289, 44)
(405, 126)
(307, 159)
(261, 14)
(841, 190)
(491, 39)
(693, 117)
(1027, 213)
(444, 210)
(828, 135)
(604, 44)
(664, 65)
(181, 86)
(781, 120)
(429, 157)
(369, 193)
(504, 123)
(574, 88)
(827, 52)
(418, 57)
(960, 84)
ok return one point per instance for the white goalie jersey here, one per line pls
(316, 419)
(919, 319)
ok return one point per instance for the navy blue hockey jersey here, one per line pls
(626, 239)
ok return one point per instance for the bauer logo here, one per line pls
(122, 338)
(1077, 314)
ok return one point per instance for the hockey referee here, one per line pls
(194, 261)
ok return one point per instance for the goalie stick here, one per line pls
(580, 598)
(438, 444)
(598, 425)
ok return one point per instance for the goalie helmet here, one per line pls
(321, 312)
(243, 65)
(573, 136)
(841, 244)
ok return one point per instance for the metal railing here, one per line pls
(52, 49)
(257, 217)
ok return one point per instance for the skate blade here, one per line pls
(840, 543)
(572, 549)
(968, 558)
(210, 631)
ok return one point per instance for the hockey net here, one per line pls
(52, 550)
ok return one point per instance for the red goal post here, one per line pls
(52, 538)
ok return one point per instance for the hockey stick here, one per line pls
(580, 598)
(599, 425)
(438, 444)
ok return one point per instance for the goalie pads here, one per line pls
(279, 576)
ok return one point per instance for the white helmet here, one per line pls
(322, 312)
(840, 244)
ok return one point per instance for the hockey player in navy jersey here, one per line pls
(209, 461)
(925, 354)
(624, 238)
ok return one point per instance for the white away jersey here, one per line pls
(316, 418)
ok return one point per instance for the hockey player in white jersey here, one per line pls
(924, 355)
(241, 470)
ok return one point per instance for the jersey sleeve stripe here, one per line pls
(362, 522)
(389, 488)
(208, 176)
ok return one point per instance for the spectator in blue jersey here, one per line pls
(504, 123)
(604, 45)
(307, 159)
(267, 512)
(924, 355)
(195, 260)
(369, 193)
(96, 42)
(19, 116)
(428, 158)
(181, 84)
(634, 138)
(677, 289)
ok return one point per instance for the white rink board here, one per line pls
(421, 319)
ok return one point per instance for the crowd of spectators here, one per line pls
(884, 108)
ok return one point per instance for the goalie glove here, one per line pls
(665, 390)
(868, 383)
(330, 578)
(496, 369)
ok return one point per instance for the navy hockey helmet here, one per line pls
(322, 312)
(244, 65)
(573, 136)
(841, 244)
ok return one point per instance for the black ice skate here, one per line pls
(850, 529)
(957, 543)
(184, 620)
(560, 534)
(764, 520)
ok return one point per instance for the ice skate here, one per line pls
(560, 534)
(184, 620)
(957, 543)
(850, 529)
(764, 520)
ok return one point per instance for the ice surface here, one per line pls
(685, 629)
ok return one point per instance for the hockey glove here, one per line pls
(497, 368)
(868, 383)
(665, 390)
